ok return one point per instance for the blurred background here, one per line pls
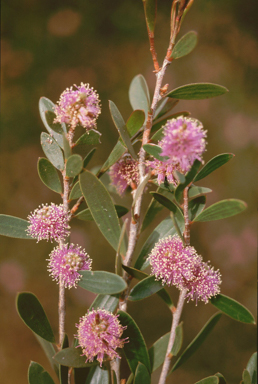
(50, 45)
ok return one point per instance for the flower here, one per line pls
(183, 142)
(64, 263)
(162, 170)
(124, 173)
(79, 106)
(174, 264)
(49, 222)
(99, 333)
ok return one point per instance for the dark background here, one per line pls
(50, 45)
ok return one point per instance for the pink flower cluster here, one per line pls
(124, 173)
(183, 143)
(99, 334)
(78, 105)
(174, 264)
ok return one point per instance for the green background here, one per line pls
(50, 45)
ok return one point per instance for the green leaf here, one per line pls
(150, 8)
(48, 175)
(67, 148)
(213, 164)
(139, 95)
(185, 45)
(103, 282)
(101, 207)
(196, 206)
(135, 122)
(145, 288)
(12, 226)
(72, 357)
(155, 151)
(197, 341)
(195, 191)
(46, 110)
(246, 377)
(164, 229)
(188, 178)
(118, 263)
(252, 368)
(142, 375)
(50, 351)
(121, 127)
(107, 302)
(98, 375)
(87, 216)
(221, 378)
(197, 91)
(76, 192)
(209, 380)
(157, 351)
(38, 375)
(221, 210)
(63, 371)
(117, 152)
(88, 157)
(178, 340)
(130, 379)
(74, 165)
(166, 202)
(32, 313)
(52, 150)
(135, 351)
(233, 309)
(89, 138)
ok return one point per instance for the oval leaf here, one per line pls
(48, 175)
(135, 350)
(196, 206)
(52, 150)
(166, 202)
(12, 226)
(232, 308)
(89, 138)
(72, 357)
(135, 122)
(197, 341)
(74, 165)
(209, 380)
(76, 192)
(142, 375)
(87, 216)
(155, 151)
(158, 352)
(98, 375)
(221, 210)
(139, 95)
(107, 302)
(195, 191)
(102, 282)
(145, 288)
(38, 375)
(50, 351)
(213, 164)
(197, 91)
(185, 45)
(33, 315)
(101, 207)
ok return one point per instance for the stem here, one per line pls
(61, 311)
(186, 217)
(175, 322)
(115, 365)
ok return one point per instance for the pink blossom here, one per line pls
(124, 173)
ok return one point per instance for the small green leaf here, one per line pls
(178, 340)
(221, 210)
(246, 377)
(166, 202)
(145, 288)
(38, 375)
(221, 378)
(213, 164)
(150, 9)
(89, 138)
(76, 192)
(87, 216)
(32, 313)
(121, 127)
(209, 380)
(88, 157)
(106, 283)
(135, 122)
(98, 375)
(66, 147)
(50, 351)
(135, 351)
(155, 151)
(195, 191)
(197, 341)
(196, 206)
(233, 309)
(48, 175)
(139, 95)
(46, 110)
(118, 263)
(101, 207)
(185, 45)
(117, 152)
(74, 165)
(142, 375)
(157, 352)
(197, 91)
(108, 302)
(252, 368)
(188, 178)
(52, 150)
(72, 357)
(12, 226)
